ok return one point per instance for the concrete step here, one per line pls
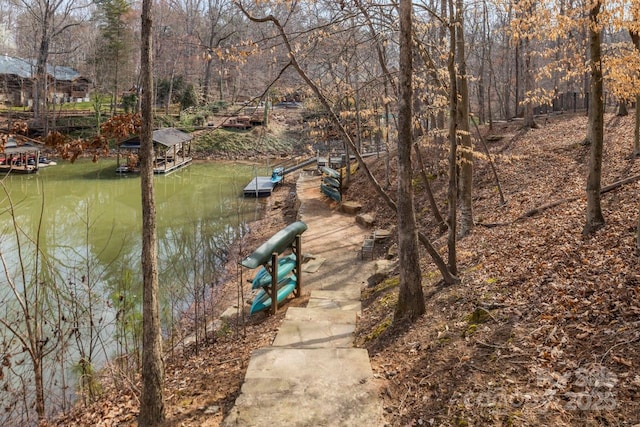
(321, 314)
(347, 290)
(336, 300)
(314, 334)
(307, 387)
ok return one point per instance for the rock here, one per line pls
(381, 235)
(212, 410)
(229, 313)
(384, 266)
(351, 208)
(366, 220)
(376, 279)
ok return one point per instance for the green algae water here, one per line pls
(70, 247)
(85, 210)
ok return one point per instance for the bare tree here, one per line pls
(293, 62)
(634, 32)
(466, 146)
(33, 320)
(219, 29)
(595, 219)
(410, 299)
(151, 400)
(52, 18)
(453, 145)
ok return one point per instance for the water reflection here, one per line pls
(81, 224)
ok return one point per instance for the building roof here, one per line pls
(170, 136)
(16, 66)
(11, 147)
(167, 137)
(26, 69)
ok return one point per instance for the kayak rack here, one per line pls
(266, 255)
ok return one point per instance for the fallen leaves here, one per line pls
(561, 347)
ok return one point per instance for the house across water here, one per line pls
(18, 77)
(172, 149)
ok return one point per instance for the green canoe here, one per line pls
(331, 172)
(277, 243)
(262, 300)
(263, 277)
(331, 192)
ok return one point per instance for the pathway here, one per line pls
(312, 375)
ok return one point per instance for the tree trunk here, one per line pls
(442, 225)
(411, 298)
(594, 219)
(622, 109)
(437, 259)
(151, 399)
(453, 148)
(636, 129)
(170, 94)
(527, 100)
(635, 38)
(207, 82)
(529, 121)
(42, 81)
(466, 157)
(39, 386)
(516, 111)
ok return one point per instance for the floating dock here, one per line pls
(260, 186)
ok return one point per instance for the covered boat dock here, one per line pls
(172, 149)
(22, 159)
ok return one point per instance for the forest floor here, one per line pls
(543, 328)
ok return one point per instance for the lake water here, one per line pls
(88, 210)
(86, 221)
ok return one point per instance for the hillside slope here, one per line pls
(543, 328)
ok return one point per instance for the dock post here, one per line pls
(255, 175)
(274, 283)
(298, 252)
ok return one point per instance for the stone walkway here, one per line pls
(312, 375)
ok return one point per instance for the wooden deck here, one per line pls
(23, 169)
(166, 167)
(161, 167)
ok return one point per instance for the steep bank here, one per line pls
(283, 138)
(543, 328)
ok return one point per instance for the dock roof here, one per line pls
(11, 147)
(167, 137)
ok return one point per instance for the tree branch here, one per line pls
(437, 259)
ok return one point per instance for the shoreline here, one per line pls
(279, 210)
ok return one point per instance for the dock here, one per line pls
(260, 186)
(172, 151)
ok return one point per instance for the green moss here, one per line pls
(379, 329)
(479, 315)
(444, 339)
(388, 283)
(470, 330)
(224, 329)
(389, 300)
